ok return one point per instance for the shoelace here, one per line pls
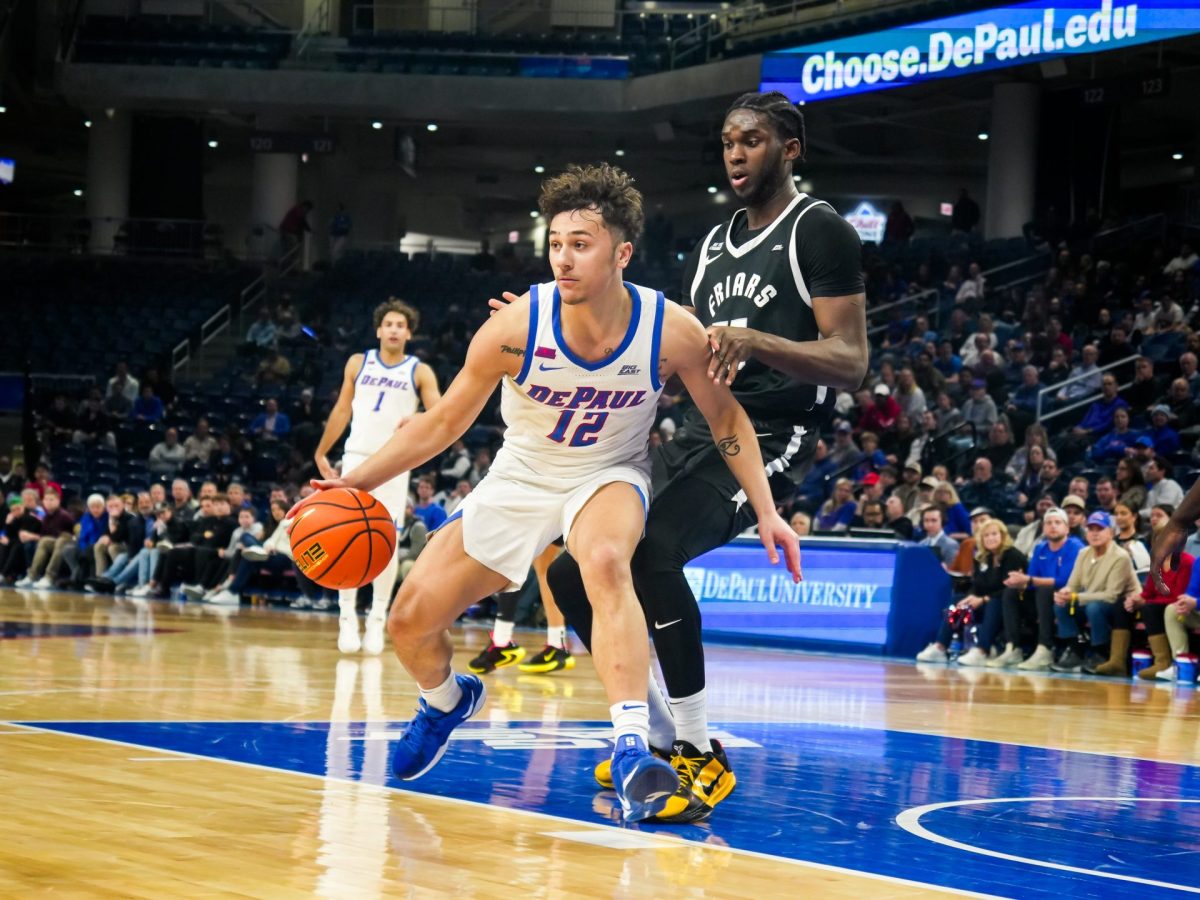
(420, 725)
(688, 768)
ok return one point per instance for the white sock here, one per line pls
(347, 604)
(445, 696)
(556, 636)
(502, 633)
(630, 717)
(691, 720)
(662, 724)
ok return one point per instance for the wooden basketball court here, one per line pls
(153, 749)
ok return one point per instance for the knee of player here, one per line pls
(405, 617)
(604, 563)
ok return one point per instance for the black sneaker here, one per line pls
(551, 659)
(1070, 661)
(496, 658)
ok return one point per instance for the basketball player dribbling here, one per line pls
(380, 390)
(779, 289)
(582, 361)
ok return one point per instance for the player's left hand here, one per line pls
(730, 347)
(776, 533)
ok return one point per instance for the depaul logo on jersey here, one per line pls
(740, 285)
(382, 381)
(586, 398)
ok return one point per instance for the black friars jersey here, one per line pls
(765, 280)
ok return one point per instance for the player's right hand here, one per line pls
(321, 485)
(497, 305)
(1167, 545)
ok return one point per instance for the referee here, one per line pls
(780, 289)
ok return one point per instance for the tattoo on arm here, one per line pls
(729, 446)
(515, 351)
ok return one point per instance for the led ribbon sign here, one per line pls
(972, 42)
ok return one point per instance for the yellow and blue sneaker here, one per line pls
(496, 658)
(708, 775)
(551, 659)
(644, 783)
(424, 740)
(603, 771)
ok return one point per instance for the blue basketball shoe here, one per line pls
(424, 740)
(643, 782)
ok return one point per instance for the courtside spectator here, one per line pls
(1102, 575)
(995, 558)
(18, 541)
(93, 525)
(1029, 595)
(57, 532)
(933, 524)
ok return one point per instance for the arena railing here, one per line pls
(1043, 416)
(220, 322)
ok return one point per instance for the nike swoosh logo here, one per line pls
(545, 368)
(663, 625)
(709, 260)
(633, 706)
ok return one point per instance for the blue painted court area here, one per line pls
(974, 815)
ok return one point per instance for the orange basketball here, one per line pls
(342, 538)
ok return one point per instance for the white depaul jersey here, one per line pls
(570, 418)
(383, 395)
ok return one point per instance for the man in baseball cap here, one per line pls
(1100, 580)
(1049, 568)
(1076, 511)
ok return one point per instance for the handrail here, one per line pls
(215, 324)
(1100, 370)
(181, 354)
(318, 23)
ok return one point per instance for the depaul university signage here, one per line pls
(973, 42)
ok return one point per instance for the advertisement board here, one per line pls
(972, 42)
(844, 598)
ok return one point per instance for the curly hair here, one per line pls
(603, 188)
(396, 305)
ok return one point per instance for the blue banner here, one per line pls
(878, 596)
(973, 42)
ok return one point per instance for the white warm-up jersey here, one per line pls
(383, 395)
(569, 418)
